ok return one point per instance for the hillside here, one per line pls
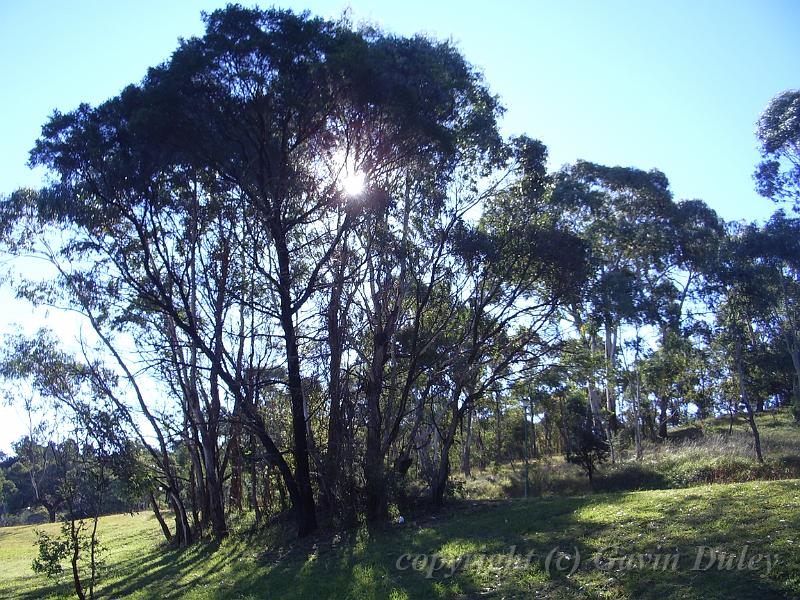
(759, 520)
(706, 451)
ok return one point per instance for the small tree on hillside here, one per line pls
(586, 444)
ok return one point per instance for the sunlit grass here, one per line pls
(362, 564)
(472, 541)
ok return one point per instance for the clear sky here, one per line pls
(674, 85)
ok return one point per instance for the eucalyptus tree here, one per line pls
(649, 258)
(94, 448)
(670, 373)
(778, 130)
(744, 295)
(586, 445)
(511, 278)
(623, 215)
(773, 253)
(89, 278)
(36, 462)
(409, 147)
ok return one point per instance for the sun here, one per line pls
(343, 166)
(353, 184)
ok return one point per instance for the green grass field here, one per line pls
(472, 543)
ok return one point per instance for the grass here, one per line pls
(708, 451)
(466, 551)
(764, 517)
(124, 536)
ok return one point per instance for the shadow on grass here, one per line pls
(170, 571)
(365, 563)
(20, 588)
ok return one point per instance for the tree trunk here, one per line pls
(611, 384)
(373, 460)
(305, 510)
(439, 486)
(194, 494)
(534, 446)
(662, 418)
(480, 448)
(743, 395)
(591, 386)
(336, 348)
(254, 503)
(237, 467)
(638, 416)
(51, 511)
(794, 352)
(374, 463)
(465, 457)
(443, 469)
(160, 518)
(216, 506)
(498, 429)
(76, 576)
(183, 532)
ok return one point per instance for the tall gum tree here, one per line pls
(629, 220)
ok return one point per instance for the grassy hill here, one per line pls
(473, 544)
(713, 450)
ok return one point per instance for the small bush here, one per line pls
(632, 475)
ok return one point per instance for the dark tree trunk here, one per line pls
(183, 531)
(255, 505)
(663, 419)
(439, 486)
(194, 502)
(76, 576)
(216, 506)
(335, 346)
(305, 510)
(374, 461)
(236, 484)
(198, 492)
(51, 512)
(746, 402)
(157, 512)
(794, 352)
(498, 429)
(611, 384)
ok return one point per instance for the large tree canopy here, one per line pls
(208, 198)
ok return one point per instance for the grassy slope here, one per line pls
(763, 515)
(700, 453)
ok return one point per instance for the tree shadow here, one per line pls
(485, 549)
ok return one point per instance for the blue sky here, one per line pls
(673, 85)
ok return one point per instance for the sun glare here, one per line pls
(353, 184)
